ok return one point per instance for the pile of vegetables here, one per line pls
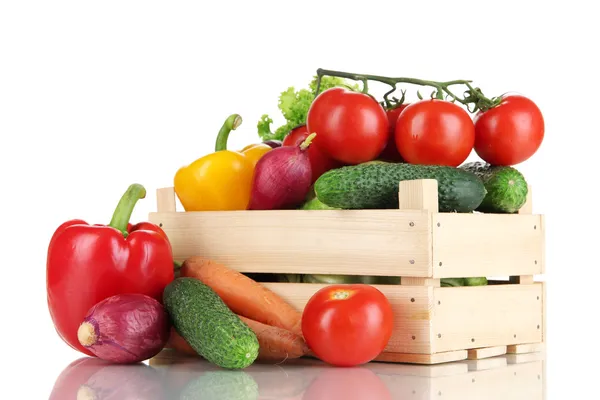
(112, 289)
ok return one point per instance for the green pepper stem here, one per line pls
(473, 97)
(230, 124)
(124, 209)
(304, 145)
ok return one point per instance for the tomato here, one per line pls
(390, 153)
(435, 132)
(352, 127)
(509, 133)
(319, 161)
(358, 383)
(347, 325)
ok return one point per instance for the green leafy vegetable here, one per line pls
(294, 107)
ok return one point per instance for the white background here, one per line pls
(97, 95)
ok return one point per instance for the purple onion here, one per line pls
(125, 328)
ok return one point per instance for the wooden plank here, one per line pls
(525, 348)
(165, 200)
(411, 305)
(527, 208)
(522, 279)
(486, 352)
(486, 363)
(353, 242)
(467, 317)
(412, 358)
(412, 281)
(421, 194)
(471, 245)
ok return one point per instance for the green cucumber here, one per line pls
(375, 186)
(208, 325)
(476, 281)
(452, 282)
(315, 204)
(506, 187)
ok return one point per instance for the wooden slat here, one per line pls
(411, 305)
(419, 194)
(471, 245)
(165, 200)
(467, 317)
(436, 358)
(353, 242)
(525, 348)
(486, 363)
(412, 281)
(486, 352)
(522, 279)
(527, 208)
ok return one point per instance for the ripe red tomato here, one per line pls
(435, 132)
(509, 133)
(347, 325)
(352, 127)
(319, 161)
(390, 153)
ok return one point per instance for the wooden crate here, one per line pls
(433, 324)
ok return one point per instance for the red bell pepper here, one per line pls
(88, 263)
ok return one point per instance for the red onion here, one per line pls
(126, 328)
(282, 177)
(273, 143)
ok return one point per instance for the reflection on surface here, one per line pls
(172, 376)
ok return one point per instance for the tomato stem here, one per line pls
(472, 98)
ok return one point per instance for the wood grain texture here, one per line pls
(486, 363)
(353, 242)
(165, 200)
(486, 316)
(421, 194)
(471, 245)
(525, 348)
(411, 281)
(435, 358)
(486, 352)
(411, 305)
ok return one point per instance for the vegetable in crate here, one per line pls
(506, 187)
(254, 152)
(319, 161)
(282, 178)
(219, 181)
(352, 127)
(375, 185)
(208, 325)
(390, 153)
(339, 279)
(89, 263)
(347, 325)
(509, 133)
(294, 105)
(243, 295)
(125, 328)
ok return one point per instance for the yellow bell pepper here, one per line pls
(255, 151)
(222, 180)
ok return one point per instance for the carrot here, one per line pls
(243, 295)
(276, 344)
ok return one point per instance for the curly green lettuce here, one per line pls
(294, 106)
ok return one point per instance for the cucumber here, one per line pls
(476, 281)
(455, 282)
(315, 204)
(208, 325)
(375, 186)
(506, 187)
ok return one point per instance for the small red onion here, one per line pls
(126, 328)
(282, 177)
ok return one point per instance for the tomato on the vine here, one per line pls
(435, 132)
(510, 132)
(347, 325)
(319, 161)
(351, 126)
(390, 153)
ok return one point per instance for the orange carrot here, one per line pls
(276, 344)
(180, 344)
(243, 295)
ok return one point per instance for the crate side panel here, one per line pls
(485, 316)
(412, 308)
(470, 245)
(362, 242)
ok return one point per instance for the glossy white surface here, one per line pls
(514, 377)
